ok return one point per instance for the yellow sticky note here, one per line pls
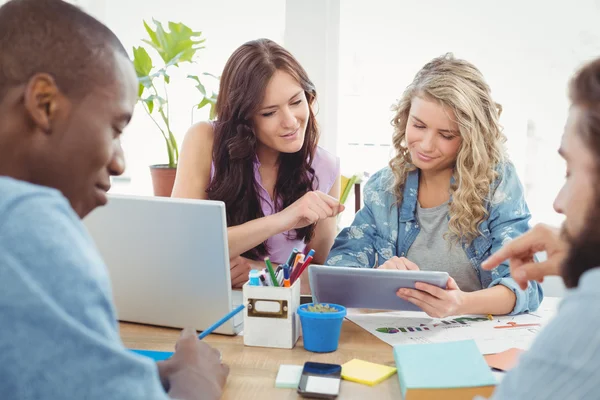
(365, 372)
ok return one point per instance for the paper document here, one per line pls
(491, 336)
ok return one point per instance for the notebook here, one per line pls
(451, 370)
(365, 372)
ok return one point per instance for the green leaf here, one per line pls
(140, 89)
(199, 84)
(145, 81)
(167, 78)
(161, 100)
(179, 40)
(150, 103)
(161, 36)
(153, 45)
(152, 34)
(211, 75)
(205, 101)
(175, 60)
(141, 61)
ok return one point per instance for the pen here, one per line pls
(490, 317)
(286, 275)
(296, 261)
(221, 321)
(298, 256)
(263, 281)
(271, 272)
(292, 256)
(299, 270)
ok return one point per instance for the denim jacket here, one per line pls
(382, 229)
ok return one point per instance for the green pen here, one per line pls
(271, 272)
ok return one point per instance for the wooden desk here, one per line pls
(253, 369)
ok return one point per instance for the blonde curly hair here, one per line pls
(460, 86)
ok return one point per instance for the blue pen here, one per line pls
(286, 275)
(221, 322)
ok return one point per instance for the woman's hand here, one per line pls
(399, 263)
(436, 302)
(240, 267)
(239, 270)
(309, 209)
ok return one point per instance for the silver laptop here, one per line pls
(168, 261)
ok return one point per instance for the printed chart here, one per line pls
(491, 336)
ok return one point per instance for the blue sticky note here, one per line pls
(441, 366)
(155, 355)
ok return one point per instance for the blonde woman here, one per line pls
(448, 199)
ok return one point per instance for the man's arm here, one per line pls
(64, 341)
(565, 357)
(520, 251)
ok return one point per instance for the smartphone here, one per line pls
(320, 381)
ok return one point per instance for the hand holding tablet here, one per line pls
(399, 263)
(368, 287)
(436, 302)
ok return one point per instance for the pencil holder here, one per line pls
(270, 317)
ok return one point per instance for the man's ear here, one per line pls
(42, 97)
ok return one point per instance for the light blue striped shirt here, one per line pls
(59, 335)
(564, 360)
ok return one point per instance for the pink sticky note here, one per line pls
(504, 361)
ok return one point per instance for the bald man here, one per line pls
(67, 92)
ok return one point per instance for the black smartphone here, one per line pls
(320, 381)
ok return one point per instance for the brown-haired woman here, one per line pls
(260, 157)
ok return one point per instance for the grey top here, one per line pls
(432, 252)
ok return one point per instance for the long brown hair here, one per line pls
(242, 88)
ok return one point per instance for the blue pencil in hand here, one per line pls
(221, 321)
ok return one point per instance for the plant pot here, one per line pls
(321, 331)
(163, 179)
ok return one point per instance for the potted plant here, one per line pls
(175, 46)
(321, 326)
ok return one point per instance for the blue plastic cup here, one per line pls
(321, 331)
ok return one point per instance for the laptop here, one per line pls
(168, 261)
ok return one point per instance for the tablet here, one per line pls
(368, 287)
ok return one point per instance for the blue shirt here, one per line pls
(564, 360)
(382, 229)
(59, 335)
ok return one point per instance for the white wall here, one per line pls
(312, 30)
(225, 24)
(527, 50)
